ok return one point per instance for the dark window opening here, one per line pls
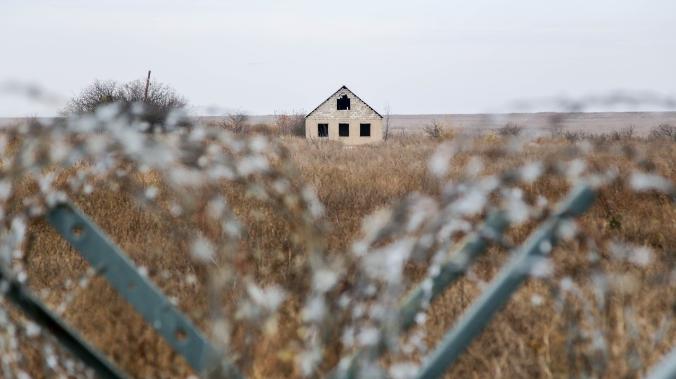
(343, 130)
(343, 103)
(365, 130)
(323, 130)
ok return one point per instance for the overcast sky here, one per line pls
(270, 56)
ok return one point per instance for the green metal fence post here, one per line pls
(450, 270)
(503, 286)
(108, 259)
(33, 308)
(666, 369)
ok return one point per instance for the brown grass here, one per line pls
(525, 340)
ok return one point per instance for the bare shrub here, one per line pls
(236, 122)
(262, 128)
(99, 93)
(156, 107)
(433, 130)
(510, 129)
(599, 138)
(386, 134)
(290, 124)
(664, 131)
(574, 136)
(622, 134)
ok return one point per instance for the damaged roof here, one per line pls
(353, 94)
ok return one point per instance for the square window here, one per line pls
(323, 130)
(344, 130)
(365, 130)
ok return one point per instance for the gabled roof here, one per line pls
(353, 94)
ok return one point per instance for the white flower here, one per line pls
(474, 166)
(216, 208)
(517, 210)
(542, 268)
(269, 298)
(151, 192)
(387, 263)
(107, 112)
(403, 370)
(567, 229)
(258, 144)
(567, 284)
(439, 162)
(5, 189)
(470, 204)
(202, 250)
(32, 329)
(368, 336)
(641, 256)
(308, 360)
(641, 181)
(536, 300)
(576, 168)
(252, 165)
(323, 280)
(314, 309)
(531, 172)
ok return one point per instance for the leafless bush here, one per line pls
(155, 108)
(236, 122)
(290, 124)
(556, 127)
(618, 135)
(664, 131)
(574, 136)
(98, 93)
(263, 128)
(433, 130)
(510, 129)
(622, 134)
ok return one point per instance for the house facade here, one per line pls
(344, 117)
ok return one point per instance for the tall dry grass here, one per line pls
(536, 335)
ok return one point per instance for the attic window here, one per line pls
(343, 103)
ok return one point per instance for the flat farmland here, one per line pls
(642, 123)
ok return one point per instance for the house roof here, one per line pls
(355, 95)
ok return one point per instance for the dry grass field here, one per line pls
(540, 334)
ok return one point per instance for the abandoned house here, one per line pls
(344, 117)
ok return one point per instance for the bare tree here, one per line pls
(510, 129)
(387, 122)
(292, 124)
(236, 122)
(664, 131)
(433, 130)
(99, 93)
(556, 127)
(158, 100)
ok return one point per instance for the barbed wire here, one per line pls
(345, 300)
